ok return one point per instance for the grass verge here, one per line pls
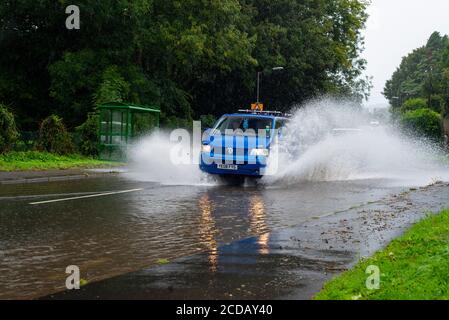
(34, 160)
(413, 267)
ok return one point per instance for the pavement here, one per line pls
(288, 263)
(20, 177)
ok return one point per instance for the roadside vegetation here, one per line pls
(418, 91)
(423, 122)
(8, 129)
(413, 267)
(52, 148)
(36, 160)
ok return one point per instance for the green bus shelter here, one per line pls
(120, 124)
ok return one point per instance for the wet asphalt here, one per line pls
(221, 242)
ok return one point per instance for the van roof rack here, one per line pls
(268, 113)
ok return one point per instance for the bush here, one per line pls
(414, 104)
(88, 132)
(53, 136)
(423, 121)
(8, 130)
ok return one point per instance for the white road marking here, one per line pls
(89, 196)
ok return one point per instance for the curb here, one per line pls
(85, 175)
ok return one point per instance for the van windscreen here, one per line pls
(243, 124)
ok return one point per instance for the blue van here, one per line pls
(239, 144)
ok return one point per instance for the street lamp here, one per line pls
(259, 73)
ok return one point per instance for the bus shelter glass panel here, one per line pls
(119, 124)
(119, 127)
(105, 126)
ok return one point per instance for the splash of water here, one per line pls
(330, 140)
(150, 160)
(312, 150)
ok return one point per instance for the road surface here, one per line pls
(114, 225)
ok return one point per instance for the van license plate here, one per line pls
(227, 167)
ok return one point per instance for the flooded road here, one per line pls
(288, 263)
(114, 234)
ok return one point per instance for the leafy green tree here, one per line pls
(318, 43)
(74, 80)
(445, 80)
(419, 75)
(113, 88)
(198, 44)
(32, 33)
(189, 57)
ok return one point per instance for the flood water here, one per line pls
(119, 233)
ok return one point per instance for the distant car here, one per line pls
(239, 144)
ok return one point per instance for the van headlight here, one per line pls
(260, 152)
(206, 148)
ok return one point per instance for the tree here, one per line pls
(113, 87)
(189, 57)
(445, 80)
(318, 43)
(419, 75)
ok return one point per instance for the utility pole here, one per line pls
(258, 86)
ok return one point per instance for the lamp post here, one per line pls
(259, 73)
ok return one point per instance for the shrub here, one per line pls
(414, 104)
(53, 136)
(423, 121)
(8, 130)
(88, 132)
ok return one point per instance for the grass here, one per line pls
(35, 160)
(162, 261)
(413, 267)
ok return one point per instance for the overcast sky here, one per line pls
(394, 29)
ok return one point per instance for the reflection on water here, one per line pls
(121, 233)
(263, 241)
(258, 224)
(208, 230)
